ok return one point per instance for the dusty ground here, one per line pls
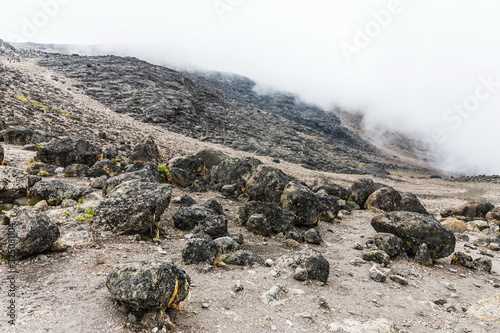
(66, 292)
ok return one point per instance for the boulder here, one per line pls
(244, 258)
(144, 175)
(213, 225)
(385, 198)
(312, 236)
(259, 224)
(133, 207)
(68, 150)
(181, 177)
(414, 229)
(199, 250)
(42, 169)
(18, 135)
(232, 171)
(192, 164)
(378, 256)
(105, 167)
(214, 205)
(470, 210)
(279, 219)
(316, 266)
(55, 191)
(14, 184)
(189, 217)
(423, 255)
(226, 245)
(267, 184)
(493, 215)
(303, 203)
(333, 190)
(34, 231)
(149, 285)
(389, 243)
(361, 189)
(328, 206)
(148, 151)
(455, 225)
(410, 203)
(76, 170)
(211, 157)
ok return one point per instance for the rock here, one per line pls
(13, 184)
(200, 185)
(462, 259)
(214, 205)
(414, 229)
(389, 243)
(492, 216)
(133, 207)
(312, 236)
(199, 250)
(399, 279)
(361, 189)
(455, 225)
(378, 256)
(238, 238)
(303, 203)
(213, 225)
(55, 191)
(181, 177)
(267, 184)
(259, 224)
(377, 275)
(187, 218)
(67, 203)
(280, 219)
(76, 170)
(317, 267)
(211, 157)
(244, 258)
(187, 201)
(294, 235)
(471, 210)
(487, 309)
(68, 150)
(276, 295)
(35, 233)
(144, 175)
(483, 264)
(381, 325)
(18, 135)
(232, 171)
(149, 285)
(328, 207)
(105, 167)
(147, 151)
(191, 164)
(99, 182)
(423, 255)
(226, 245)
(385, 198)
(333, 190)
(2, 155)
(410, 203)
(41, 169)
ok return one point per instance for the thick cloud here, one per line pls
(426, 67)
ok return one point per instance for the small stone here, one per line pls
(238, 287)
(358, 247)
(269, 262)
(312, 236)
(399, 279)
(357, 261)
(423, 255)
(275, 273)
(483, 264)
(275, 295)
(205, 305)
(440, 301)
(378, 256)
(300, 274)
(376, 274)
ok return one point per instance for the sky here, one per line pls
(428, 68)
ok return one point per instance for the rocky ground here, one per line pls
(66, 290)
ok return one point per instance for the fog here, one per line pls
(428, 67)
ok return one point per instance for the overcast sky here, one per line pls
(426, 67)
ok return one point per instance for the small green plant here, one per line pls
(163, 167)
(80, 200)
(43, 173)
(88, 213)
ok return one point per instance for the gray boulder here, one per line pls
(105, 167)
(211, 157)
(244, 258)
(312, 236)
(470, 210)
(213, 225)
(199, 250)
(14, 184)
(226, 245)
(189, 217)
(267, 184)
(493, 215)
(76, 170)
(277, 219)
(18, 135)
(414, 229)
(410, 203)
(389, 243)
(34, 232)
(133, 207)
(68, 150)
(144, 175)
(303, 203)
(314, 264)
(147, 151)
(333, 190)
(42, 169)
(232, 171)
(329, 207)
(55, 191)
(149, 285)
(385, 198)
(361, 189)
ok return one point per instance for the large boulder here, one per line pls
(471, 210)
(149, 285)
(148, 151)
(334, 190)
(414, 229)
(211, 157)
(303, 203)
(244, 258)
(42, 169)
(213, 225)
(68, 150)
(361, 189)
(33, 232)
(232, 171)
(410, 203)
(267, 184)
(494, 215)
(189, 217)
(105, 167)
(329, 206)
(14, 184)
(385, 198)
(55, 191)
(389, 243)
(133, 207)
(199, 250)
(144, 175)
(307, 261)
(276, 218)
(18, 135)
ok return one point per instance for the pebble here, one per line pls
(275, 273)
(377, 275)
(205, 305)
(269, 262)
(399, 279)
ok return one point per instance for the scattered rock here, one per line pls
(232, 171)
(266, 184)
(18, 135)
(55, 191)
(376, 274)
(42, 169)
(148, 151)
(483, 264)
(99, 182)
(316, 266)
(13, 184)
(226, 245)
(312, 236)
(333, 190)
(470, 210)
(361, 189)
(492, 216)
(279, 219)
(399, 279)
(378, 256)
(68, 150)
(34, 231)
(276, 295)
(244, 258)
(423, 255)
(385, 198)
(410, 203)
(76, 170)
(199, 250)
(389, 243)
(105, 167)
(213, 225)
(455, 225)
(259, 224)
(211, 157)
(144, 175)
(187, 218)
(328, 207)
(303, 203)
(133, 207)
(414, 229)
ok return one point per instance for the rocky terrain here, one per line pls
(145, 200)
